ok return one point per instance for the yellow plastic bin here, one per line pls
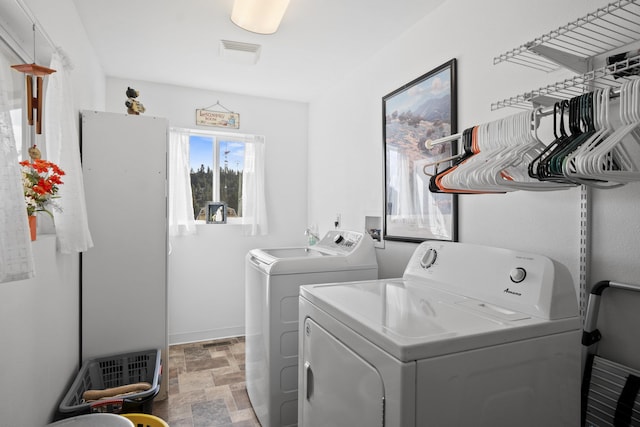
(145, 420)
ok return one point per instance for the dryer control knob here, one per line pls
(428, 258)
(339, 238)
(518, 274)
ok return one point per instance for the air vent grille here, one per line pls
(248, 53)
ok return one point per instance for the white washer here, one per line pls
(470, 335)
(273, 278)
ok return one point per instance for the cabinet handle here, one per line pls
(308, 379)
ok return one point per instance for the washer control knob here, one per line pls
(339, 238)
(428, 258)
(518, 274)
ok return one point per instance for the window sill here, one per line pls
(233, 221)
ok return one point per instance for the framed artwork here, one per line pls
(216, 213)
(420, 111)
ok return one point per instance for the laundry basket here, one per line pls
(114, 371)
(609, 389)
(145, 420)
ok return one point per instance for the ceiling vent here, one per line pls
(241, 53)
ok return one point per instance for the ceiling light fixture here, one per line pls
(259, 16)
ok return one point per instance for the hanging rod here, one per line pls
(541, 112)
(430, 143)
(456, 136)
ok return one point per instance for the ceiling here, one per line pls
(177, 42)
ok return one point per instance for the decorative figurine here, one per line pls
(133, 105)
(34, 152)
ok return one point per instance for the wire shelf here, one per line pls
(573, 46)
(611, 76)
(606, 29)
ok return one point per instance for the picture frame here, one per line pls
(421, 110)
(216, 213)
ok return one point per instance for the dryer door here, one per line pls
(339, 388)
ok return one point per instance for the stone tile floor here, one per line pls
(207, 386)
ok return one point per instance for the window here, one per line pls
(216, 165)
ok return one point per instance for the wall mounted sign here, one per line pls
(421, 110)
(221, 119)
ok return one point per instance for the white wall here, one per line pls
(474, 33)
(206, 271)
(40, 316)
(39, 335)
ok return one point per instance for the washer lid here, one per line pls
(272, 255)
(412, 320)
(337, 251)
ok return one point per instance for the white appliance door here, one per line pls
(339, 388)
(124, 276)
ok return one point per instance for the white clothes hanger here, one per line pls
(575, 166)
(515, 173)
(464, 177)
(612, 159)
(507, 147)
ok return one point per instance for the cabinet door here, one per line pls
(339, 388)
(124, 279)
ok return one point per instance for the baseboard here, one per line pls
(213, 334)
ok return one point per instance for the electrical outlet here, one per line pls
(336, 223)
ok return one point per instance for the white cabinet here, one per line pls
(124, 276)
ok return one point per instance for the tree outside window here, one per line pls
(216, 173)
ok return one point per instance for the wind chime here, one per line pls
(34, 102)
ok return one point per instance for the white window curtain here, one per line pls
(400, 186)
(16, 257)
(181, 221)
(254, 208)
(63, 148)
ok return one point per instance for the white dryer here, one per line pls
(469, 336)
(273, 278)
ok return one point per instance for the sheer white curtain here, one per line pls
(63, 148)
(181, 221)
(400, 186)
(429, 212)
(16, 257)
(254, 208)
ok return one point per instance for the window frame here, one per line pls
(216, 139)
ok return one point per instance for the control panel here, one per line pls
(429, 257)
(526, 282)
(343, 241)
